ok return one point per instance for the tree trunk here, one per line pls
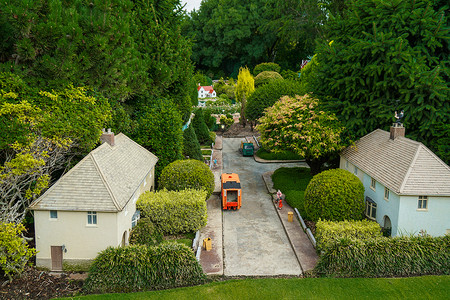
(315, 165)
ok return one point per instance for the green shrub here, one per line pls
(266, 77)
(267, 94)
(329, 232)
(386, 257)
(289, 74)
(14, 251)
(187, 174)
(174, 212)
(200, 127)
(212, 136)
(226, 120)
(145, 233)
(191, 146)
(139, 268)
(269, 66)
(285, 155)
(335, 195)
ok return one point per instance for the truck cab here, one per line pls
(231, 191)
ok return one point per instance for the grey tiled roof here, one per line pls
(404, 166)
(104, 180)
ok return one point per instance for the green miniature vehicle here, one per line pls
(246, 149)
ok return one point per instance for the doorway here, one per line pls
(57, 258)
(387, 227)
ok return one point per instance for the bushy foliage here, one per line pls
(226, 120)
(200, 127)
(335, 195)
(386, 257)
(266, 96)
(269, 66)
(245, 86)
(138, 268)
(187, 174)
(289, 74)
(145, 233)
(191, 146)
(14, 251)
(329, 232)
(174, 212)
(299, 125)
(266, 77)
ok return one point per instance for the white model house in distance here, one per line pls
(206, 91)
(407, 187)
(93, 206)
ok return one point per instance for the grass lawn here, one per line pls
(206, 152)
(425, 287)
(185, 238)
(286, 155)
(293, 182)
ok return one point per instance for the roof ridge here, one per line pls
(140, 146)
(102, 176)
(411, 166)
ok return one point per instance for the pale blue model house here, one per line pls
(407, 187)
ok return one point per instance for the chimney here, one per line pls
(107, 137)
(397, 130)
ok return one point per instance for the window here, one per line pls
(346, 165)
(355, 170)
(373, 183)
(92, 217)
(386, 193)
(53, 214)
(136, 217)
(422, 203)
(371, 209)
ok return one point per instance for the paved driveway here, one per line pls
(254, 241)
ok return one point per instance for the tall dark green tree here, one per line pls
(191, 146)
(383, 56)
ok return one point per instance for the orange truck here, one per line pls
(231, 191)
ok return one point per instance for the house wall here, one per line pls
(434, 220)
(82, 241)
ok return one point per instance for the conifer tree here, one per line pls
(245, 86)
(191, 146)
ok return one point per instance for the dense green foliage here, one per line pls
(145, 233)
(187, 174)
(299, 125)
(263, 67)
(335, 195)
(386, 257)
(159, 130)
(245, 86)
(420, 287)
(329, 232)
(191, 146)
(372, 64)
(266, 77)
(14, 251)
(293, 182)
(266, 96)
(140, 268)
(174, 212)
(285, 155)
(200, 127)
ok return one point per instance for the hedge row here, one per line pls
(386, 257)
(139, 268)
(329, 232)
(174, 212)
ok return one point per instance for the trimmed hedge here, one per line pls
(145, 233)
(191, 146)
(200, 127)
(174, 212)
(139, 268)
(386, 257)
(267, 66)
(335, 195)
(329, 232)
(266, 77)
(187, 174)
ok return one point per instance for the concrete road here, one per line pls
(254, 241)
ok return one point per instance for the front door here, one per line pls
(57, 258)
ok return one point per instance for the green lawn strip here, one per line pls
(285, 155)
(185, 238)
(206, 152)
(424, 287)
(293, 182)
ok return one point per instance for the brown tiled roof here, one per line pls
(105, 180)
(404, 166)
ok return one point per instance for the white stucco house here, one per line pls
(93, 206)
(407, 187)
(206, 92)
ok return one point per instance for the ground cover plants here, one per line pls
(283, 155)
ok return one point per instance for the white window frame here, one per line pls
(422, 203)
(373, 183)
(135, 218)
(346, 165)
(355, 170)
(386, 194)
(92, 219)
(371, 210)
(53, 217)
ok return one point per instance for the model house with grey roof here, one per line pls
(93, 206)
(407, 187)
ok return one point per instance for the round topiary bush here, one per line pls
(266, 77)
(145, 233)
(187, 174)
(268, 66)
(335, 195)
